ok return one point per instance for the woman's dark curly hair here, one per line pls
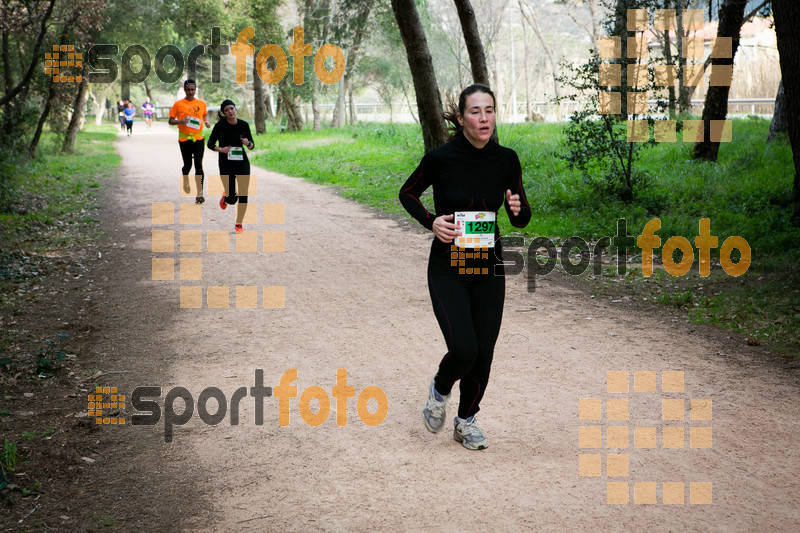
(453, 110)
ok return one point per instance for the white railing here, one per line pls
(402, 112)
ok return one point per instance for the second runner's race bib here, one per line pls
(477, 228)
(236, 154)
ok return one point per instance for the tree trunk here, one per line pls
(671, 103)
(35, 58)
(621, 31)
(780, 118)
(469, 26)
(684, 92)
(51, 93)
(513, 102)
(312, 28)
(315, 104)
(259, 115)
(353, 116)
(787, 20)
(497, 84)
(716, 106)
(268, 104)
(346, 113)
(147, 90)
(8, 81)
(353, 55)
(408, 103)
(338, 113)
(338, 119)
(294, 118)
(334, 115)
(77, 116)
(530, 17)
(11, 117)
(593, 17)
(100, 108)
(429, 101)
(527, 74)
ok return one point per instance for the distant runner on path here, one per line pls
(233, 136)
(121, 114)
(189, 114)
(148, 108)
(130, 112)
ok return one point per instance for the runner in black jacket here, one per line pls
(232, 135)
(473, 176)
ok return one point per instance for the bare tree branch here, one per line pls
(34, 59)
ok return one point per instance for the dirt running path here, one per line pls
(356, 298)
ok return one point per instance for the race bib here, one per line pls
(236, 154)
(194, 123)
(477, 228)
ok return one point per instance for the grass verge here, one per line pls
(746, 193)
(48, 228)
(48, 206)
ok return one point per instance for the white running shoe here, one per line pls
(434, 412)
(469, 434)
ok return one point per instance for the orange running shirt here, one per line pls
(182, 108)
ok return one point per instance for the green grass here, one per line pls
(48, 204)
(9, 456)
(746, 193)
(366, 163)
(47, 196)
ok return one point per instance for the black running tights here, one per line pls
(193, 149)
(237, 168)
(469, 308)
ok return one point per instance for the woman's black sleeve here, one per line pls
(248, 135)
(515, 185)
(410, 192)
(212, 139)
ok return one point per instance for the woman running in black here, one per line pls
(121, 112)
(233, 135)
(472, 177)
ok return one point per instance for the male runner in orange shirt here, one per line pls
(189, 114)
